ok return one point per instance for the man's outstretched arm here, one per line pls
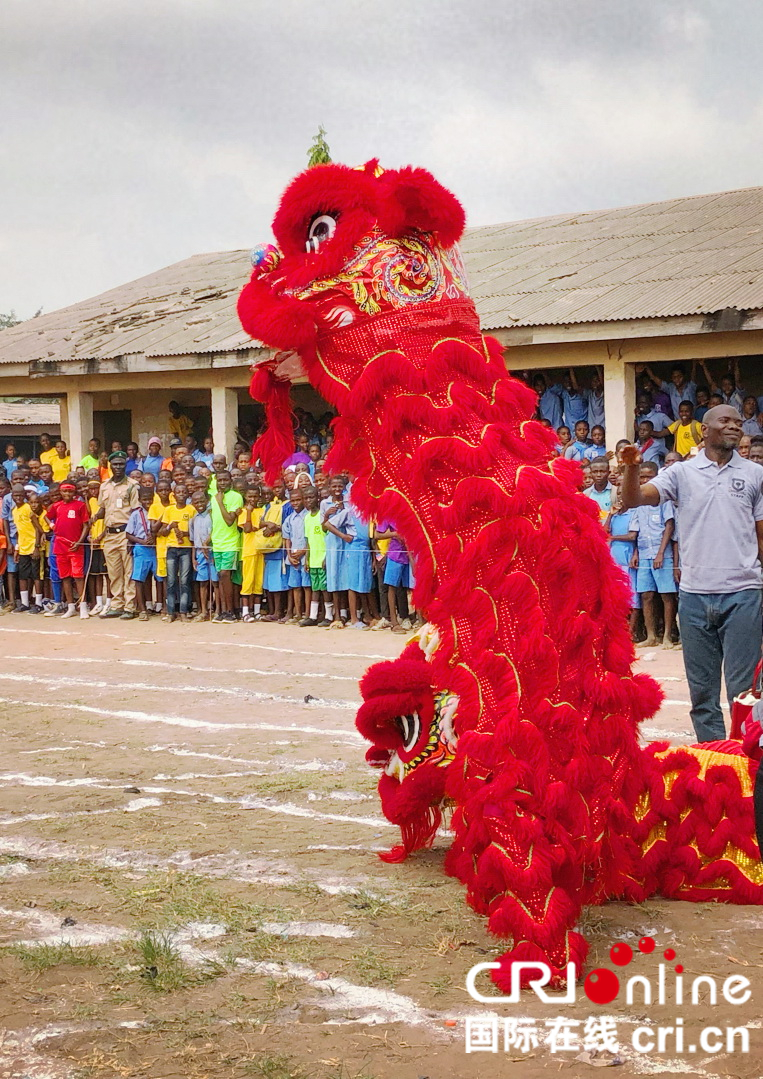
(632, 492)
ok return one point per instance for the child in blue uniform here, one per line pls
(360, 572)
(622, 543)
(336, 525)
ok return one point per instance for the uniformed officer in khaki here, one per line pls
(117, 499)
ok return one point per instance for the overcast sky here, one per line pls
(134, 133)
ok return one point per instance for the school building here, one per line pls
(659, 283)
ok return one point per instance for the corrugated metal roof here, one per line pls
(37, 413)
(688, 256)
(683, 256)
(189, 307)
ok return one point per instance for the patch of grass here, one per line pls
(440, 985)
(341, 1071)
(371, 904)
(308, 889)
(375, 969)
(86, 1011)
(165, 970)
(592, 922)
(283, 784)
(273, 1066)
(162, 965)
(10, 859)
(170, 897)
(45, 956)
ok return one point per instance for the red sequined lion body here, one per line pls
(517, 705)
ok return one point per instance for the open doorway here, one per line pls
(113, 425)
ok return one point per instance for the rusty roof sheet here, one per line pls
(683, 256)
(34, 413)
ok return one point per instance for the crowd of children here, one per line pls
(667, 428)
(187, 537)
(183, 535)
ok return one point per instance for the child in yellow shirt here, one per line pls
(175, 525)
(252, 558)
(97, 581)
(162, 499)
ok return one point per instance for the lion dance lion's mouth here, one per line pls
(411, 728)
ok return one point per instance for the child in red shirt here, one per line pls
(70, 519)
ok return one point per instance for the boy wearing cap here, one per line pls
(70, 521)
(117, 499)
(177, 449)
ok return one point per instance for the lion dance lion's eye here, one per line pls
(321, 229)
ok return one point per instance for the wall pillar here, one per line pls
(63, 406)
(619, 399)
(224, 419)
(79, 410)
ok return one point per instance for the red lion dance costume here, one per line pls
(517, 704)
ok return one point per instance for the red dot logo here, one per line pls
(621, 954)
(646, 945)
(601, 986)
(669, 954)
(679, 968)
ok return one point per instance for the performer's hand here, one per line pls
(631, 455)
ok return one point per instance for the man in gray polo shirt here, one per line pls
(719, 509)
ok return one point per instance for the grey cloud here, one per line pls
(139, 133)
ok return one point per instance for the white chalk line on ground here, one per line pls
(135, 806)
(314, 765)
(233, 866)
(182, 721)
(347, 1003)
(49, 929)
(147, 687)
(248, 801)
(272, 767)
(175, 667)
(333, 654)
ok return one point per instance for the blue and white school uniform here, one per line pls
(359, 571)
(622, 551)
(143, 558)
(336, 551)
(293, 529)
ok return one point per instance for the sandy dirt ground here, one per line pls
(189, 884)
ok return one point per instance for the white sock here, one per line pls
(345, 614)
(72, 606)
(38, 599)
(256, 607)
(24, 597)
(314, 609)
(330, 612)
(244, 610)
